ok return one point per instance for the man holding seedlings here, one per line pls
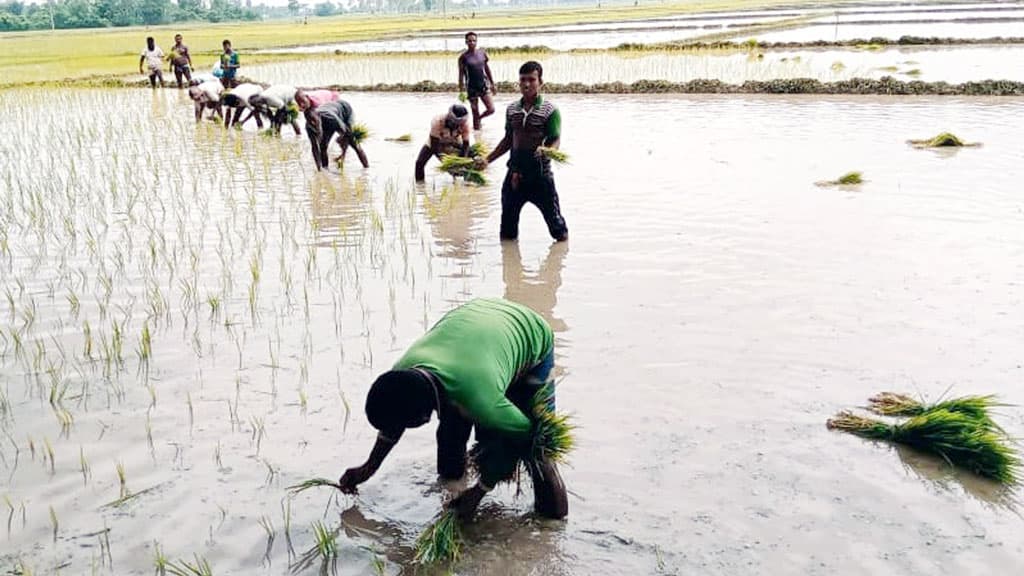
(181, 61)
(228, 65)
(323, 123)
(530, 123)
(479, 368)
(449, 134)
(475, 73)
(153, 58)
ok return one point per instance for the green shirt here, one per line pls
(477, 350)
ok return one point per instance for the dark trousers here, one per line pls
(453, 431)
(538, 188)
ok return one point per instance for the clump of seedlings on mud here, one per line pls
(943, 140)
(848, 179)
(464, 167)
(961, 431)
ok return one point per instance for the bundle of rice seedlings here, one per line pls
(956, 437)
(311, 483)
(976, 407)
(441, 541)
(848, 179)
(554, 154)
(478, 149)
(463, 97)
(359, 133)
(291, 112)
(553, 433)
(402, 138)
(459, 166)
(943, 140)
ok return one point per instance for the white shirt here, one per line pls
(154, 58)
(279, 95)
(212, 89)
(246, 91)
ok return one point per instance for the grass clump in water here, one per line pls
(943, 140)
(441, 542)
(958, 437)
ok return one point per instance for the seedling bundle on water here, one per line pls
(459, 166)
(959, 430)
(848, 179)
(943, 140)
(359, 133)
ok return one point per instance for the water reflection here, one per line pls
(339, 208)
(941, 475)
(536, 289)
(454, 214)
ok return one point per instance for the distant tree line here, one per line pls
(16, 15)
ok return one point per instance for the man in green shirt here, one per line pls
(478, 367)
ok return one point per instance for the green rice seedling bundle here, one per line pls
(463, 97)
(312, 483)
(459, 166)
(359, 133)
(441, 542)
(954, 436)
(291, 112)
(553, 433)
(402, 138)
(976, 407)
(478, 149)
(848, 179)
(554, 154)
(943, 140)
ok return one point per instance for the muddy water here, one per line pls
(712, 309)
(958, 64)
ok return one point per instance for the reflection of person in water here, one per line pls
(540, 290)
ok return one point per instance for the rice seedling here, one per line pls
(956, 437)
(848, 179)
(402, 138)
(942, 140)
(913, 72)
(838, 66)
(83, 465)
(268, 526)
(554, 154)
(463, 97)
(123, 481)
(325, 541)
(200, 567)
(441, 542)
(359, 133)
(10, 514)
(160, 562)
(301, 487)
(54, 523)
(553, 437)
(50, 455)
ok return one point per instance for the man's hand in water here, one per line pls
(465, 504)
(479, 162)
(352, 478)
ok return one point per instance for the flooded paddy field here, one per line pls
(960, 64)
(832, 23)
(190, 319)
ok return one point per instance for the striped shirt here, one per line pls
(532, 127)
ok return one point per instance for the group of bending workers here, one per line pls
(481, 365)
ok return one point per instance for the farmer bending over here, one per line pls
(206, 96)
(323, 123)
(278, 103)
(449, 134)
(479, 366)
(237, 100)
(530, 123)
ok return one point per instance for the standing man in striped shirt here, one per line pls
(530, 123)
